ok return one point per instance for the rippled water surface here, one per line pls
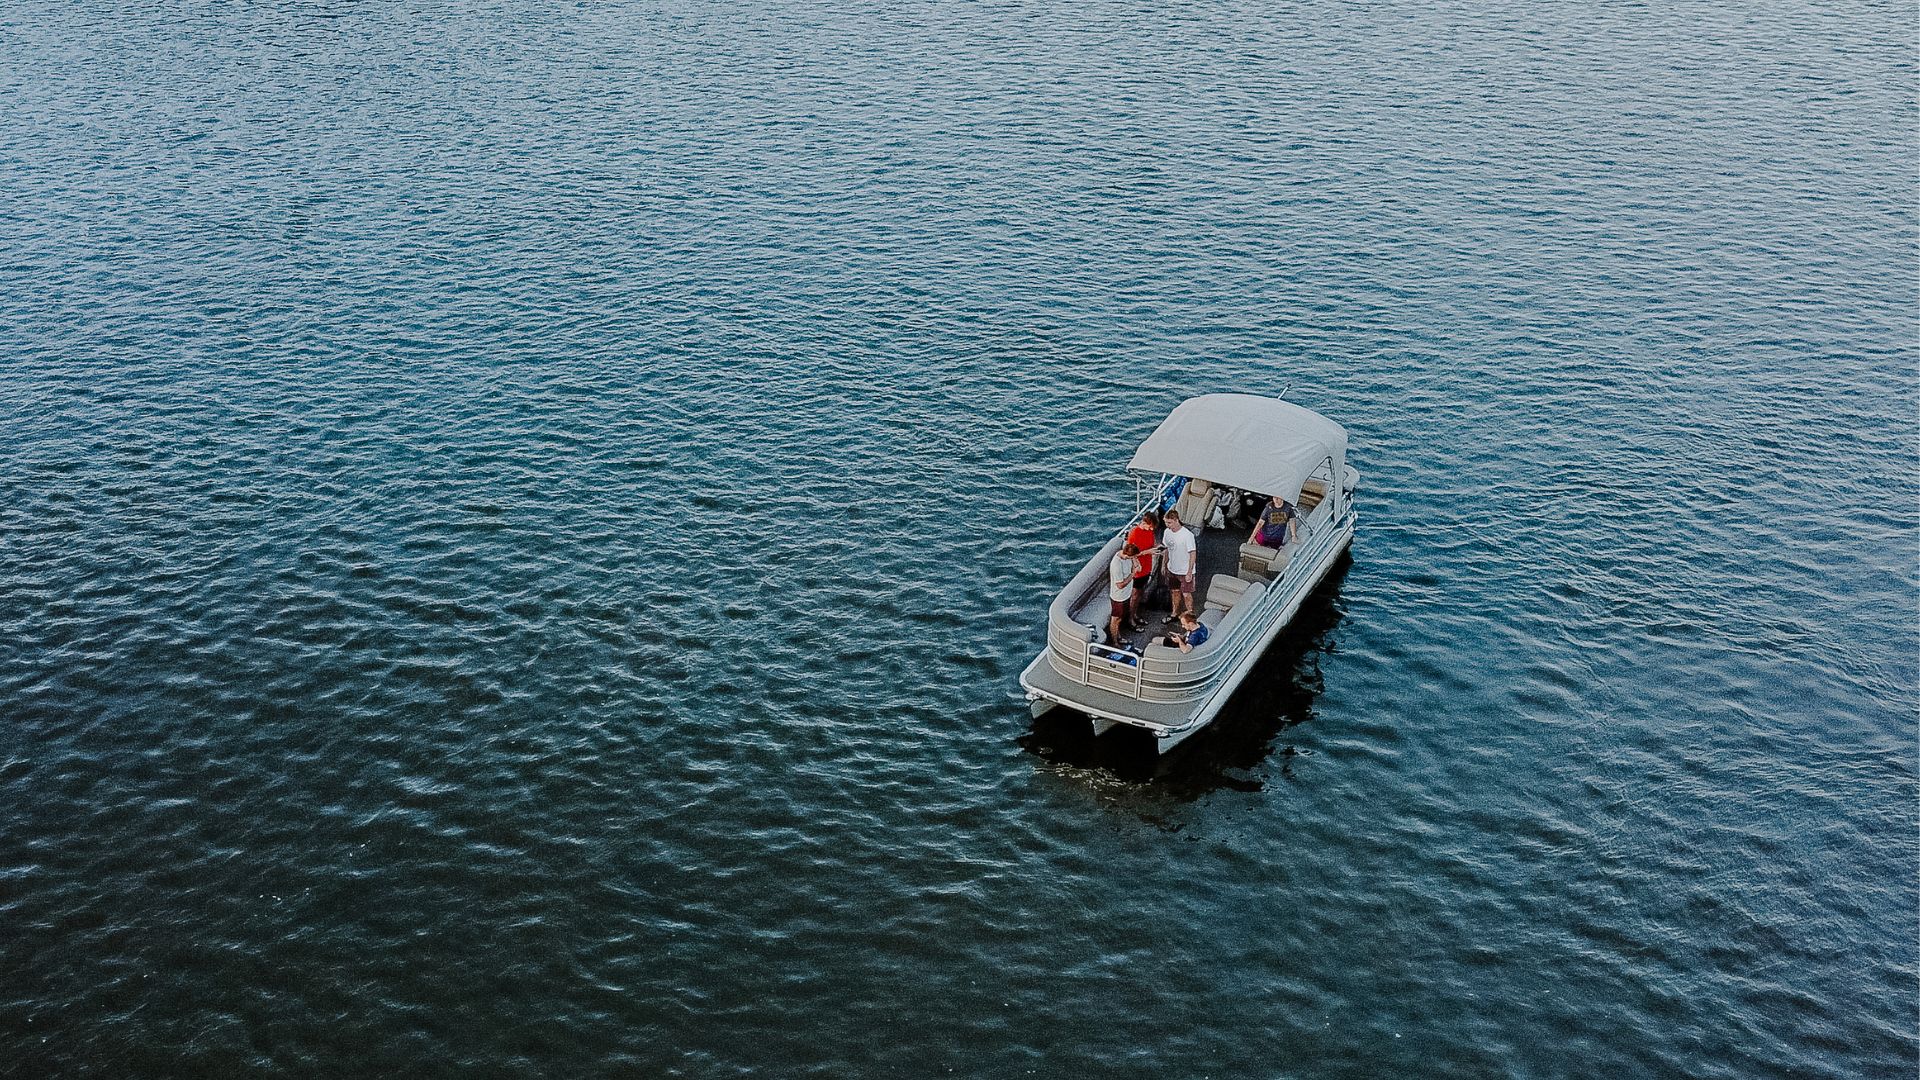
(519, 524)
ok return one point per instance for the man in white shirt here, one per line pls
(1183, 564)
(1120, 589)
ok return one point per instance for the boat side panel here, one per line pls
(1218, 701)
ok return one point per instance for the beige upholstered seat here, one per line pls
(1194, 504)
(1224, 591)
(1264, 563)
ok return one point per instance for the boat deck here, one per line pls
(1219, 551)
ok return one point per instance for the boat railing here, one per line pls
(1121, 657)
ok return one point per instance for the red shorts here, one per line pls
(1121, 607)
(1183, 582)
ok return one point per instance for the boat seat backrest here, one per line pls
(1086, 595)
(1224, 591)
(1312, 494)
(1232, 618)
(1240, 594)
(1264, 563)
(1254, 591)
(1194, 503)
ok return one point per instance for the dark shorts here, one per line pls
(1120, 607)
(1140, 584)
(1183, 582)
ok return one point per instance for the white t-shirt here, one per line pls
(1120, 579)
(1180, 544)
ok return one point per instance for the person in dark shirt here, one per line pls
(1277, 524)
(1192, 635)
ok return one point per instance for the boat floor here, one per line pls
(1219, 552)
(1041, 676)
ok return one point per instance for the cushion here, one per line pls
(1264, 562)
(1222, 622)
(1193, 505)
(1254, 559)
(1281, 558)
(1224, 591)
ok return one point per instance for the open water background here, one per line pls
(519, 523)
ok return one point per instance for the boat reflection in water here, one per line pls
(1278, 694)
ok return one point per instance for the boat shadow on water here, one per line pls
(1277, 695)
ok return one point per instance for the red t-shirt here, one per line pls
(1142, 538)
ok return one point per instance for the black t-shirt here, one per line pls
(1274, 521)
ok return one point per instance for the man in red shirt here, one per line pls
(1144, 541)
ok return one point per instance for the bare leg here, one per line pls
(1113, 631)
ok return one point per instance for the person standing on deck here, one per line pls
(1182, 564)
(1120, 590)
(1143, 540)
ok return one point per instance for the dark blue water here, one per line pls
(518, 527)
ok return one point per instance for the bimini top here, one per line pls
(1255, 443)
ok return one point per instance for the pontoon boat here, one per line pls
(1211, 452)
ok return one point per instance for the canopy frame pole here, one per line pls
(1140, 493)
